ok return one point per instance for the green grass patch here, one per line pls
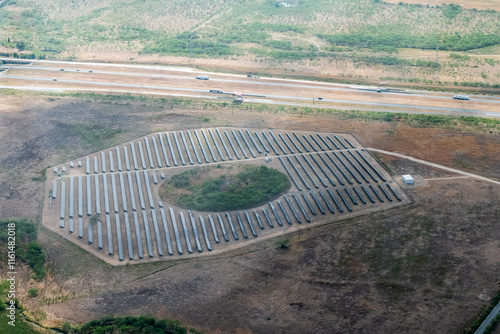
(21, 327)
(224, 188)
(140, 324)
(94, 135)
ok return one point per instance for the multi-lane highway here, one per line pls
(164, 80)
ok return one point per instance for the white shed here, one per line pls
(407, 179)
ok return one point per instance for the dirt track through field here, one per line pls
(435, 165)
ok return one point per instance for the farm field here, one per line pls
(411, 262)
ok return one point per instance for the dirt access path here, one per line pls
(453, 170)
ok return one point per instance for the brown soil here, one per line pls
(419, 268)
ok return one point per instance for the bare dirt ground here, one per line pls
(416, 269)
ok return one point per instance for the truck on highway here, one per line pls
(202, 77)
(461, 97)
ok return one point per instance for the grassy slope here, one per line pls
(21, 327)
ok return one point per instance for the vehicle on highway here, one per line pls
(320, 98)
(202, 77)
(62, 69)
(90, 71)
(54, 79)
(461, 97)
(253, 76)
(217, 91)
(78, 70)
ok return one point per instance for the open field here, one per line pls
(431, 264)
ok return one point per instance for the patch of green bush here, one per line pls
(110, 324)
(374, 37)
(250, 187)
(26, 247)
(33, 292)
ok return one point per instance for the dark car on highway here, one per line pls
(217, 91)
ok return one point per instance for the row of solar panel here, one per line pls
(94, 205)
(187, 147)
(329, 170)
(180, 237)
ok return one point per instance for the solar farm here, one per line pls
(108, 202)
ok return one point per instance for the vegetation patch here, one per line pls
(94, 135)
(224, 188)
(133, 325)
(27, 248)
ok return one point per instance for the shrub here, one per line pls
(249, 187)
(283, 244)
(33, 292)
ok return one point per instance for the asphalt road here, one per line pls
(191, 70)
(453, 111)
(488, 319)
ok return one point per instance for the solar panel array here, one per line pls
(331, 176)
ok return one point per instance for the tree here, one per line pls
(36, 258)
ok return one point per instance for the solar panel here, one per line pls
(186, 232)
(157, 153)
(89, 197)
(109, 235)
(148, 234)
(176, 231)
(115, 193)
(204, 228)
(157, 233)
(119, 237)
(130, 248)
(103, 162)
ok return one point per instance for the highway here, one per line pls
(158, 80)
(262, 82)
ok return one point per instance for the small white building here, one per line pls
(407, 179)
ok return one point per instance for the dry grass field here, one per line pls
(424, 267)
